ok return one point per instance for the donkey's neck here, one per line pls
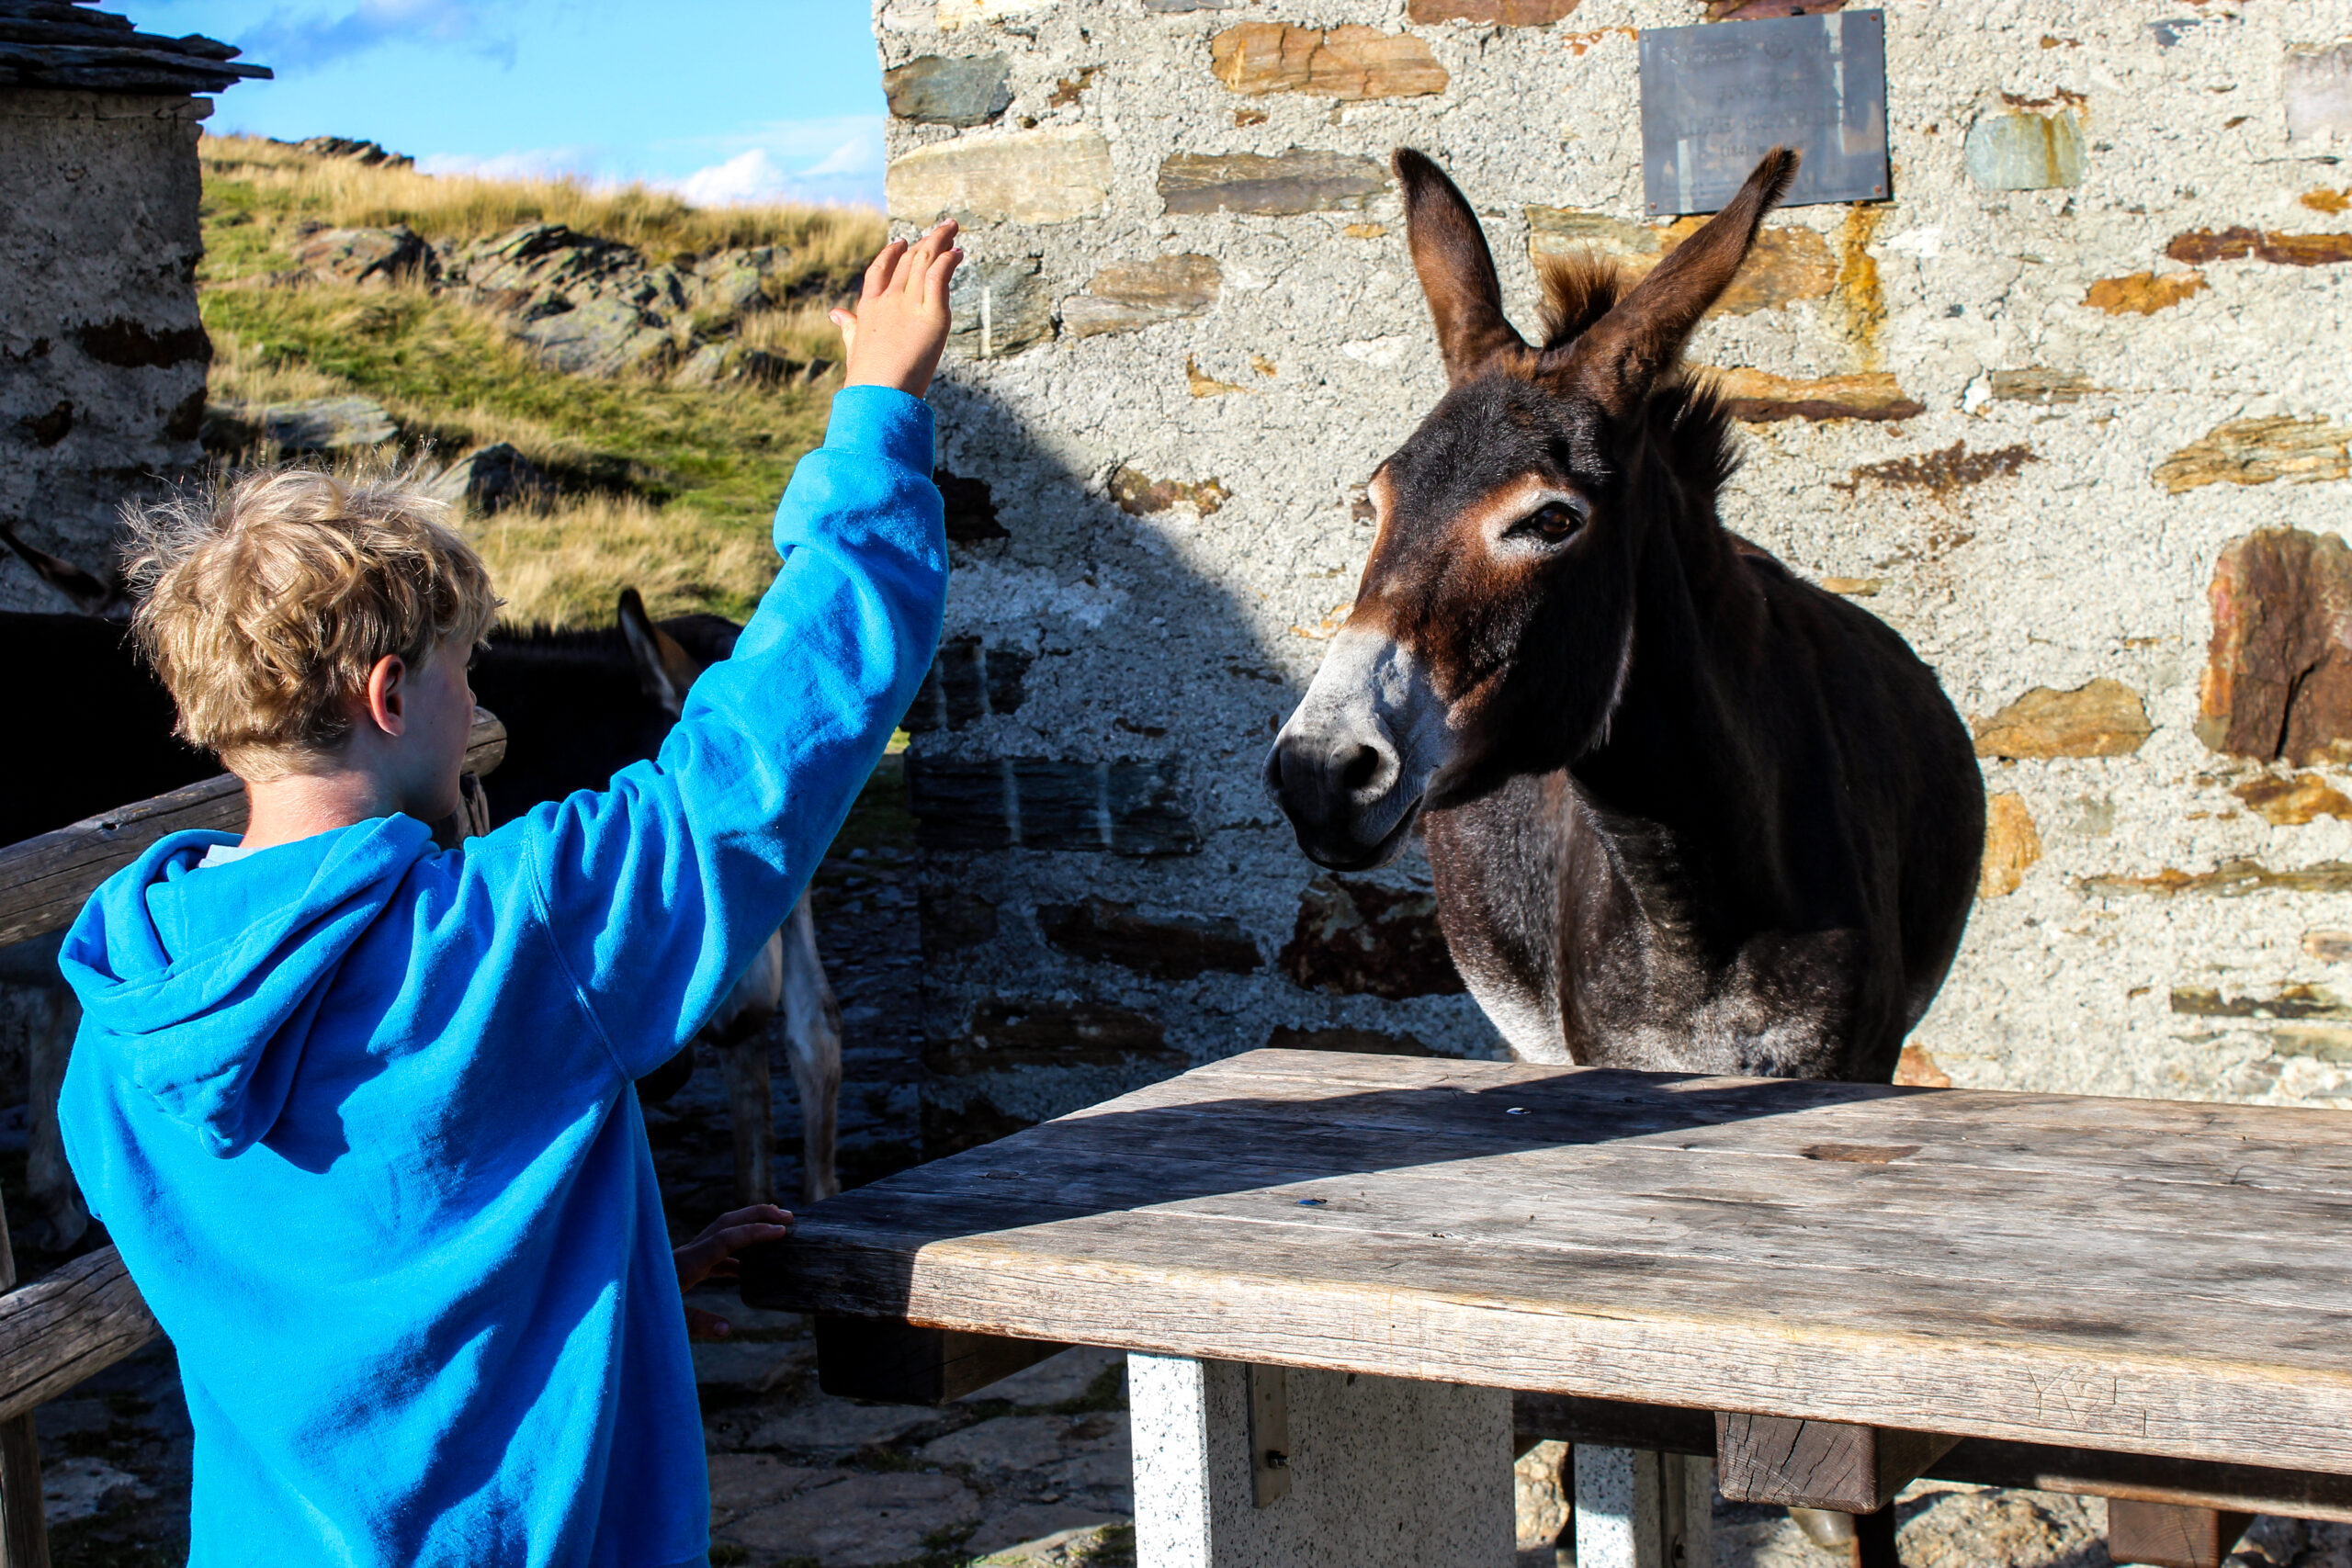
(1676, 772)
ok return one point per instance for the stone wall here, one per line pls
(102, 355)
(2070, 411)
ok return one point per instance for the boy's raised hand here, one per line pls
(895, 336)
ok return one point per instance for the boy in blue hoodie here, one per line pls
(357, 1109)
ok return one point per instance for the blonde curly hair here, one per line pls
(263, 605)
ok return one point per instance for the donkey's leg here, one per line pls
(812, 1042)
(59, 1216)
(740, 1032)
(745, 1057)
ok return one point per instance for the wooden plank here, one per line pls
(24, 1532)
(24, 1521)
(1754, 1247)
(899, 1363)
(2087, 1473)
(1980, 1462)
(2002, 1126)
(44, 881)
(1896, 1218)
(1819, 1464)
(65, 1327)
(1940, 1228)
(1617, 1328)
(1254, 1230)
(2167, 1534)
(1613, 1422)
(1872, 1207)
(2139, 1139)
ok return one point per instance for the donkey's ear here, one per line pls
(1624, 353)
(90, 595)
(1457, 271)
(663, 667)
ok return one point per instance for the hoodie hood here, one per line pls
(200, 989)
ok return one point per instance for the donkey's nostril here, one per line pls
(1270, 774)
(1361, 768)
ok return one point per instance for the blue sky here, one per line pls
(724, 99)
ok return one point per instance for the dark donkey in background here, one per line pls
(1684, 810)
(583, 705)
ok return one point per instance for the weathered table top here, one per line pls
(2136, 1275)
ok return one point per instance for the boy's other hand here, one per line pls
(711, 1255)
(895, 336)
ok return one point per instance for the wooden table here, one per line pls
(2145, 1299)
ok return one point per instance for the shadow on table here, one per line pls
(1288, 1149)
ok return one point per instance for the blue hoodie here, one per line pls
(357, 1110)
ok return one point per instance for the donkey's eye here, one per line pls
(1552, 522)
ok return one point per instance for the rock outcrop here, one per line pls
(589, 306)
(367, 256)
(586, 306)
(489, 478)
(329, 425)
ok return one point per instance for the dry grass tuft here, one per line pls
(564, 564)
(342, 193)
(800, 333)
(245, 370)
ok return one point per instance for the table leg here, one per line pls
(1383, 1472)
(1639, 1509)
(2171, 1536)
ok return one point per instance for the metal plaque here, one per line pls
(1717, 97)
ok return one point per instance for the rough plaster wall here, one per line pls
(2074, 566)
(102, 355)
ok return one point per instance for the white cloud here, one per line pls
(858, 156)
(832, 159)
(748, 177)
(524, 163)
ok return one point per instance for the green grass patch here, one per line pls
(666, 488)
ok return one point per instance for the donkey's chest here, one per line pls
(1779, 1005)
(1580, 948)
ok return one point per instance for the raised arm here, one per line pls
(658, 889)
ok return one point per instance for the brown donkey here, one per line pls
(1685, 810)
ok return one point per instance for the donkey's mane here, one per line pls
(1579, 289)
(1688, 415)
(1685, 414)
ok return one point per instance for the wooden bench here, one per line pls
(1349, 1283)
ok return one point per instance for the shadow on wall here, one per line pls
(1108, 898)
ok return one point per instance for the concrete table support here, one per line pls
(1639, 1510)
(1382, 1472)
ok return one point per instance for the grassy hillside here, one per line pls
(665, 486)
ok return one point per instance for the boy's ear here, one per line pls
(664, 669)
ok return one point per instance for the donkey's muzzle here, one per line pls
(1350, 767)
(1339, 787)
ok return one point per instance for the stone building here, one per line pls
(102, 355)
(2069, 410)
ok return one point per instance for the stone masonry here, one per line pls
(2069, 411)
(102, 354)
